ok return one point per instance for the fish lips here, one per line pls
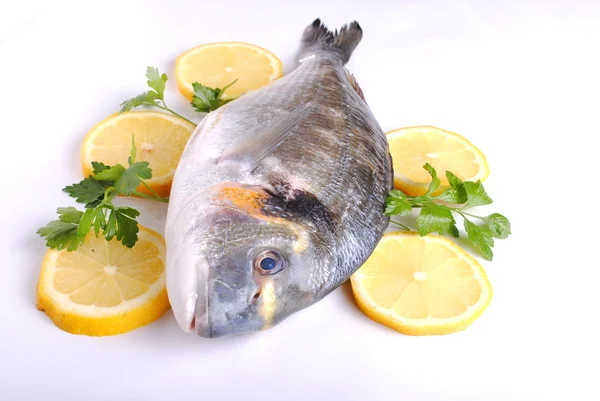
(182, 287)
(212, 304)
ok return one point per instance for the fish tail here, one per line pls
(317, 37)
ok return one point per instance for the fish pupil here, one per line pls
(268, 263)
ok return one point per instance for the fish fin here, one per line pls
(354, 84)
(251, 151)
(343, 43)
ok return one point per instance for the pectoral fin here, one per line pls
(251, 151)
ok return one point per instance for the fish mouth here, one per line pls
(187, 292)
(211, 321)
(190, 291)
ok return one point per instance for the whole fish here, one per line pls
(279, 195)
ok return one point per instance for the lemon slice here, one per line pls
(160, 139)
(218, 64)
(421, 285)
(104, 288)
(412, 147)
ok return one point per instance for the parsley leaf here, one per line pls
(98, 167)
(132, 177)
(498, 225)
(456, 193)
(69, 214)
(481, 239)
(62, 233)
(157, 81)
(122, 223)
(203, 97)
(476, 195)
(435, 217)
(111, 174)
(206, 99)
(88, 191)
(99, 221)
(90, 217)
(394, 193)
(143, 99)
(435, 181)
(400, 207)
(396, 203)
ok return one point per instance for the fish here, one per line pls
(279, 195)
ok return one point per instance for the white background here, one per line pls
(520, 79)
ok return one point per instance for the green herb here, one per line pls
(207, 99)
(96, 193)
(397, 203)
(62, 233)
(437, 217)
(154, 97)
(204, 100)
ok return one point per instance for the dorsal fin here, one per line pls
(255, 146)
(354, 84)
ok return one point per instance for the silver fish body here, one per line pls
(279, 195)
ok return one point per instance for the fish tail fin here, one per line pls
(317, 37)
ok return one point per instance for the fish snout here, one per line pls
(187, 278)
(212, 302)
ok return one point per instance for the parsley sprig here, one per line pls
(96, 193)
(205, 99)
(155, 97)
(438, 217)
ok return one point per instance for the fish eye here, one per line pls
(269, 262)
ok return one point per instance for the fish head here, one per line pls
(249, 261)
